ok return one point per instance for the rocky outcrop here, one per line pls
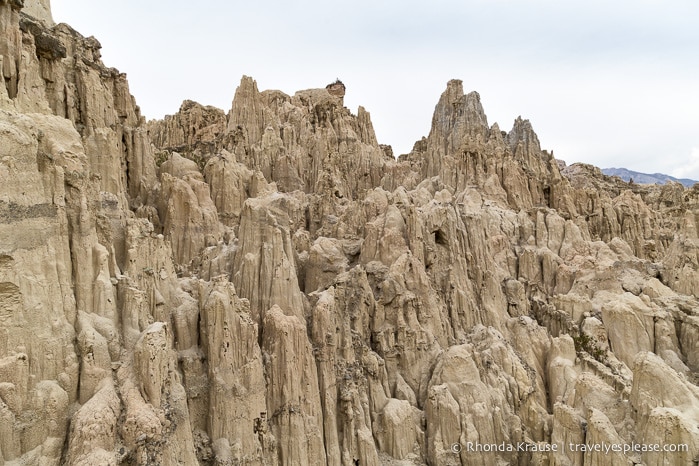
(300, 142)
(269, 286)
(462, 150)
(40, 9)
(196, 129)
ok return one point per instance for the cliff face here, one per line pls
(269, 286)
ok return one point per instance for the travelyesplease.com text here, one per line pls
(607, 448)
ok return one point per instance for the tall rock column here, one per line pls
(10, 46)
(264, 269)
(293, 399)
(238, 429)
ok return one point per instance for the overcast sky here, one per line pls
(609, 83)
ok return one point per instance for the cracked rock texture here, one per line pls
(267, 285)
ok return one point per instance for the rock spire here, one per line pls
(267, 285)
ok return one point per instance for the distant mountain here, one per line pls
(646, 178)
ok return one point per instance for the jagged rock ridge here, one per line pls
(268, 285)
(646, 178)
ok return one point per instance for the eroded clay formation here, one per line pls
(270, 286)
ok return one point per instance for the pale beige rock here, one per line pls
(324, 337)
(304, 142)
(675, 391)
(601, 432)
(189, 218)
(94, 352)
(399, 435)
(480, 384)
(230, 184)
(38, 307)
(264, 270)
(94, 428)
(594, 329)
(591, 392)
(151, 361)
(689, 338)
(333, 305)
(10, 48)
(568, 428)
(193, 126)
(629, 324)
(235, 370)
(672, 429)
(148, 288)
(443, 425)
(156, 424)
(326, 260)
(179, 167)
(562, 373)
(403, 391)
(292, 392)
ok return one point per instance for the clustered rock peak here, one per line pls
(269, 285)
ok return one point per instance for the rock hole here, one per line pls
(440, 238)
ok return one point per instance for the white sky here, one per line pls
(609, 83)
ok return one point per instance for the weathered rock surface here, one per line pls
(269, 286)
